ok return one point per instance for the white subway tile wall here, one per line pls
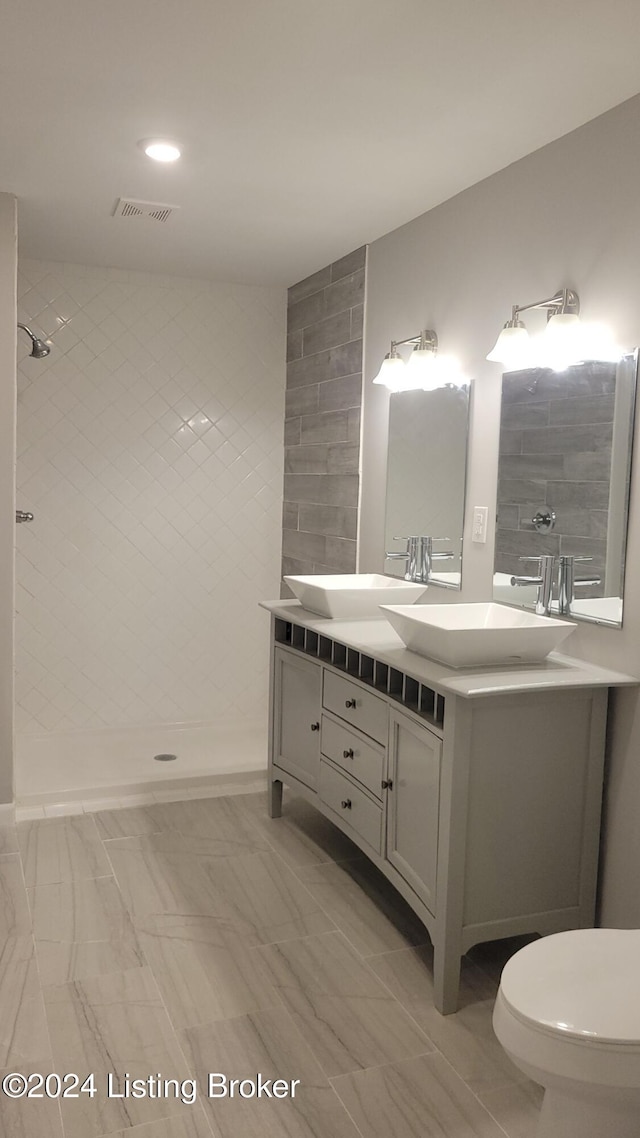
(150, 451)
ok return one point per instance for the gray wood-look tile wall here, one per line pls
(556, 432)
(322, 419)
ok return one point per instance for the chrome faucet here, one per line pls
(419, 557)
(544, 581)
(567, 581)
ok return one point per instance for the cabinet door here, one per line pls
(298, 694)
(413, 804)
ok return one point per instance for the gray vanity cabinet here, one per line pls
(298, 699)
(476, 793)
(413, 804)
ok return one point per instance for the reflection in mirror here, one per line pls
(563, 486)
(426, 471)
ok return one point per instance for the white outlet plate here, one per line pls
(480, 520)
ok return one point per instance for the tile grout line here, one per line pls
(471, 1090)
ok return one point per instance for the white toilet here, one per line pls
(568, 1015)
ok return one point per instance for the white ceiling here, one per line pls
(309, 126)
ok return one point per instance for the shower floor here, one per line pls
(56, 769)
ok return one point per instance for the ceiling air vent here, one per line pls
(157, 211)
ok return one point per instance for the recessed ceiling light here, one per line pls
(160, 149)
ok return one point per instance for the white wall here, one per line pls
(8, 256)
(150, 451)
(569, 214)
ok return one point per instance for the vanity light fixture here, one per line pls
(560, 342)
(160, 149)
(392, 369)
(425, 369)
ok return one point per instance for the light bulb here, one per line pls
(420, 375)
(160, 149)
(560, 343)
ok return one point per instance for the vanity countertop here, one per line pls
(377, 638)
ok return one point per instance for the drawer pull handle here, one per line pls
(315, 726)
(350, 703)
(387, 784)
(346, 803)
(348, 754)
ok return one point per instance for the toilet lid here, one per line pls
(584, 983)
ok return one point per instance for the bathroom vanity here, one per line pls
(476, 792)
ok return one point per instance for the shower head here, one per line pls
(39, 349)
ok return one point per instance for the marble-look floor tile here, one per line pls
(187, 1125)
(204, 972)
(129, 822)
(82, 929)
(23, 1028)
(364, 905)
(269, 1043)
(61, 849)
(260, 897)
(8, 840)
(342, 1011)
(162, 841)
(302, 836)
(516, 1108)
(417, 1098)
(115, 1023)
(30, 1117)
(466, 1038)
(215, 827)
(156, 876)
(15, 919)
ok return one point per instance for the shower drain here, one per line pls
(165, 758)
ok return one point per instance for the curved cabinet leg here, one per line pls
(275, 798)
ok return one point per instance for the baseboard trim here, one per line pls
(7, 813)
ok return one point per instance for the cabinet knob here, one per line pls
(348, 754)
(315, 726)
(350, 703)
(387, 784)
(346, 803)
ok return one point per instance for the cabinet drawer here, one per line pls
(361, 708)
(362, 760)
(363, 815)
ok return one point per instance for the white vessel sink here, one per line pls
(466, 635)
(349, 596)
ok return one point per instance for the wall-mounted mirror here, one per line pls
(563, 484)
(426, 473)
